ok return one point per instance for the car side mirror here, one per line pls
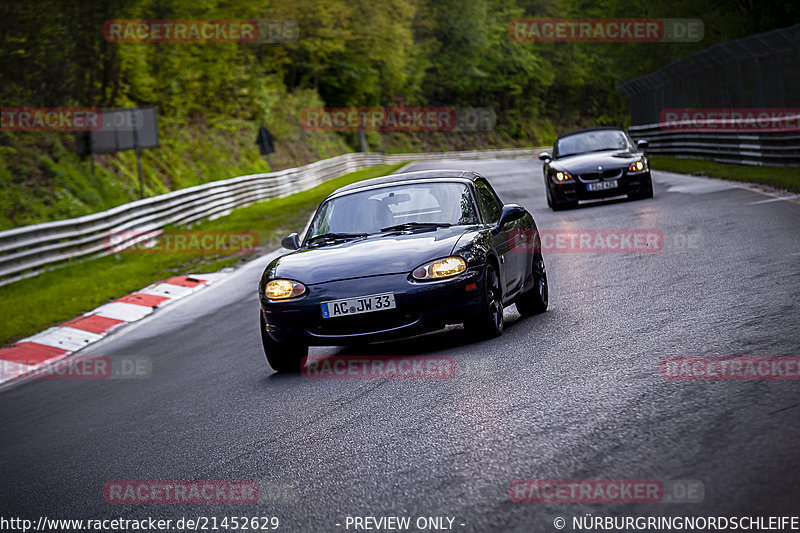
(544, 156)
(642, 143)
(291, 242)
(510, 213)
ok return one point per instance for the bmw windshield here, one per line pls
(592, 141)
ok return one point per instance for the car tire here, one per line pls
(281, 356)
(489, 321)
(564, 205)
(648, 193)
(535, 300)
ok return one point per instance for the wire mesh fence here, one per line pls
(759, 71)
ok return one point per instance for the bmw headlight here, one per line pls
(281, 289)
(561, 176)
(441, 268)
(640, 165)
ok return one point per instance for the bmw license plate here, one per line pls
(601, 185)
(356, 306)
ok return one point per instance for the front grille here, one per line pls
(609, 174)
(361, 324)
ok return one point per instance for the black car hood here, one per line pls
(380, 254)
(578, 164)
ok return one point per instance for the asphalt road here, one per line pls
(571, 394)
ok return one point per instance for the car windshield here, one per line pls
(375, 210)
(591, 141)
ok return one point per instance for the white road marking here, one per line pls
(168, 290)
(66, 338)
(212, 276)
(701, 187)
(123, 311)
(779, 199)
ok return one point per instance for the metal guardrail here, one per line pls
(759, 145)
(27, 251)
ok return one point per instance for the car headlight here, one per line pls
(640, 165)
(562, 175)
(281, 289)
(441, 268)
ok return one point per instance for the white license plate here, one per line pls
(601, 185)
(357, 306)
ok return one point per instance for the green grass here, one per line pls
(43, 179)
(781, 177)
(31, 305)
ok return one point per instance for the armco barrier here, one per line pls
(27, 250)
(759, 145)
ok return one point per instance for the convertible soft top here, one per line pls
(466, 175)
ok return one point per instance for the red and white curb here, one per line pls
(45, 348)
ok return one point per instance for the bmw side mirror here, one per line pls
(291, 242)
(544, 156)
(642, 143)
(510, 213)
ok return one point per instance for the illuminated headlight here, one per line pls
(637, 166)
(441, 268)
(281, 289)
(562, 176)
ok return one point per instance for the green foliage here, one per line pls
(42, 179)
(211, 97)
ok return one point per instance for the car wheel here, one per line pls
(648, 193)
(489, 321)
(281, 356)
(564, 205)
(535, 300)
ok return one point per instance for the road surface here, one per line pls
(574, 393)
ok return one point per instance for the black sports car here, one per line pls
(593, 164)
(394, 256)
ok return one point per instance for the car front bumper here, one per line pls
(420, 307)
(576, 190)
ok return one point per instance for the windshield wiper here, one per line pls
(335, 236)
(415, 225)
(590, 151)
(601, 150)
